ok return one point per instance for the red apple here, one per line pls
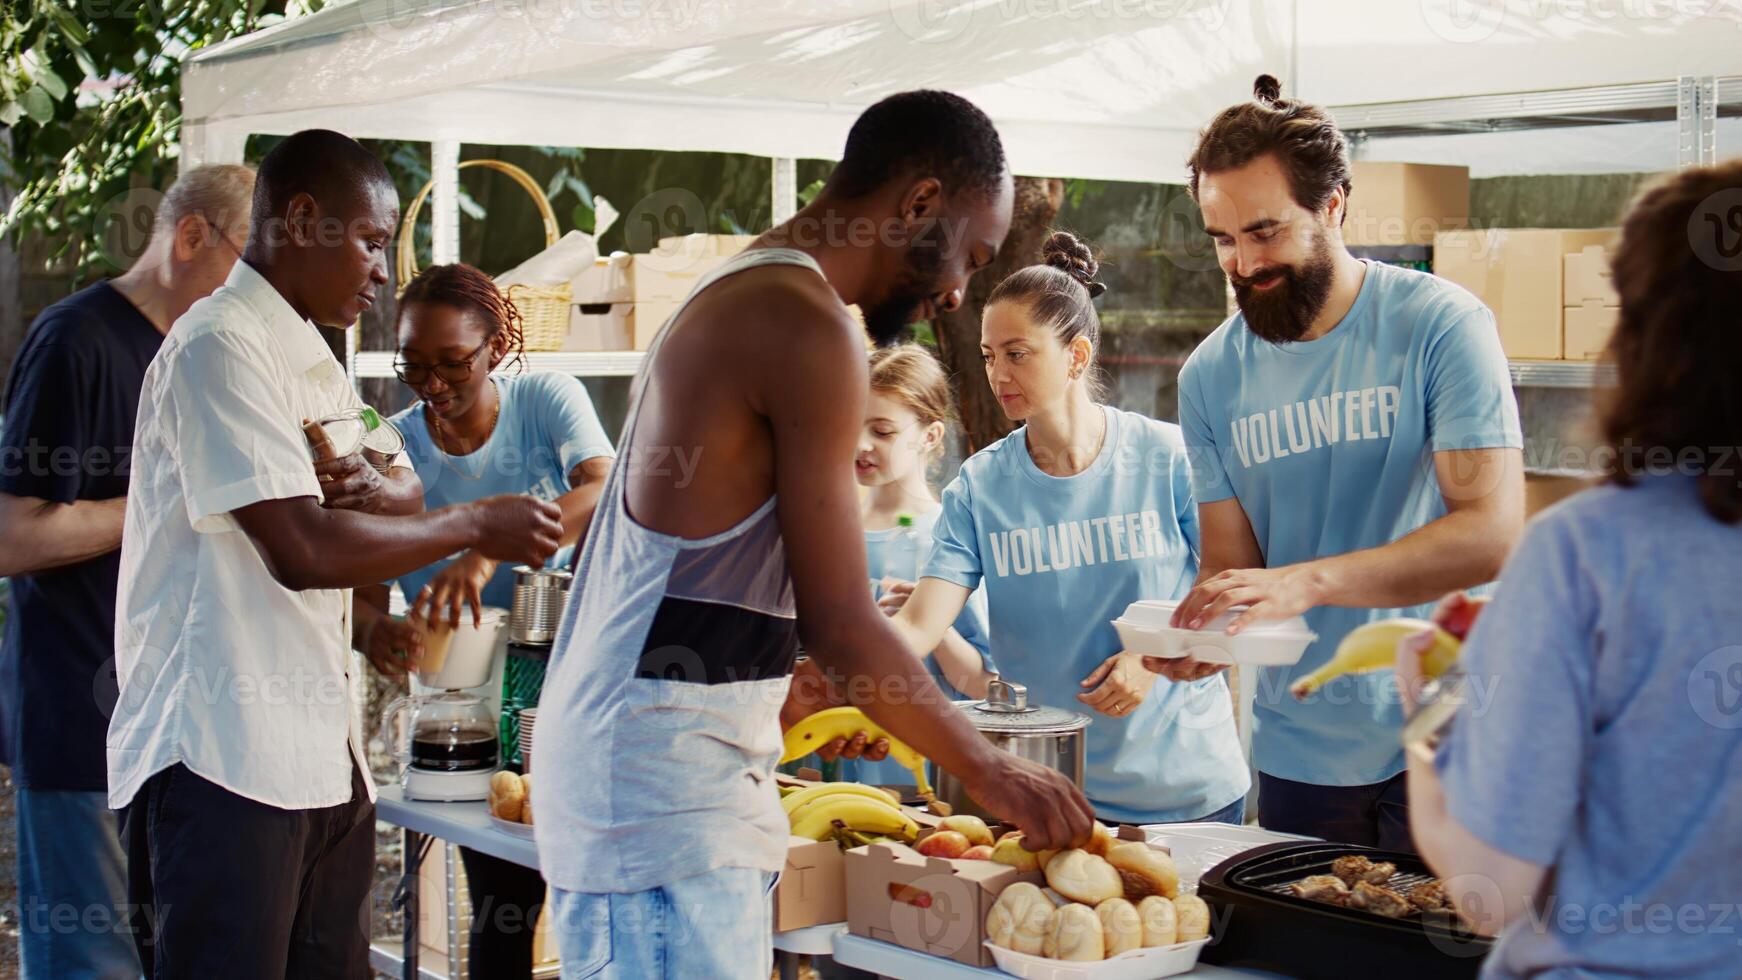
(979, 852)
(943, 844)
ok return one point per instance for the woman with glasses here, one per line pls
(472, 434)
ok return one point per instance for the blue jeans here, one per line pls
(1234, 813)
(72, 888)
(717, 925)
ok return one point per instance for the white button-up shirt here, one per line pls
(221, 668)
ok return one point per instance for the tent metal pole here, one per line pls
(1696, 116)
(444, 169)
(785, 189)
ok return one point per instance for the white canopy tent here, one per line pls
(1112, 89)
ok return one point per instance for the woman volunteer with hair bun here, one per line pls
(1066, 521)
(474, 434)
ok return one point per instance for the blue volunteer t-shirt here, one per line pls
(546, 428)
(971, 624)
(1060, 558)
(1328, 445)
(1601, 736)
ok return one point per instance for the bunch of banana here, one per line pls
(1374, 647)
(824, 727)
(831, 815)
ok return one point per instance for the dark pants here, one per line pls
(224, 886)
(506, 899)
(1376, 815)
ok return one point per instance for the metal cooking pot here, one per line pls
(1052, 737)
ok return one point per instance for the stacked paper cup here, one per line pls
(527, 717)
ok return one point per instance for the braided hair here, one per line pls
(466, 287)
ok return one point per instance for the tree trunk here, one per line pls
(983, 422)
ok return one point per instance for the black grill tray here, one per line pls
(1257, 923)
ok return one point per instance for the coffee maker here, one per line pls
(449, 748)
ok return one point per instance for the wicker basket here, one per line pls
(545, 309)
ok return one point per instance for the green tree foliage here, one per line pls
(91, 90)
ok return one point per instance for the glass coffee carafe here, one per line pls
(451, 732)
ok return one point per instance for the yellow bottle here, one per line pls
(1374, 647)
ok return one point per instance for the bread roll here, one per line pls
(1020, 919)
(507, 796)
(1083, 877)
(1101, 840)
(1160, 925)
(1144, 870)
(1075, 935)
(1193, 917)
(1121, 929)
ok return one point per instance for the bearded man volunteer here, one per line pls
(1355, 452)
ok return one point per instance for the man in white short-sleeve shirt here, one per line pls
(248, 814)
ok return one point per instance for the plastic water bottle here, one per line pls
(901, 558)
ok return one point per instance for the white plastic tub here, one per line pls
(1149, 963)
(1144, 630)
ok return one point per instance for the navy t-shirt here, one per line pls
(67, 435)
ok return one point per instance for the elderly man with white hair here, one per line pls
(65, 450)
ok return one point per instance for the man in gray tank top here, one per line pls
(659, 823)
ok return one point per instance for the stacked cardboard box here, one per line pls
(1405, 203)
(623, 300)
(1520, 274)
(1592, 306)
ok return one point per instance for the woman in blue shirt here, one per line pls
(1065, 522)
(904, 433)
(474, 434)
(1587, 803)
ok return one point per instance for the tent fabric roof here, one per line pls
(1114, 89)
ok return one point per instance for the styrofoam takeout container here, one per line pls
(1144, 629)
(1148, 963)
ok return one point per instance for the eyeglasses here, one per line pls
(452, 372)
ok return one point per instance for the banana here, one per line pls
(825, 726)
(1374, 647)
(855, 813)
(810, 794)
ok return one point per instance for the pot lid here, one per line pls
(1007, 710)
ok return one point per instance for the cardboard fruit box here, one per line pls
(929, 904)
(812, 887)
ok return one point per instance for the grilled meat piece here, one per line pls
(1354, 868)
(1380, 901)
(1322, 888)
(1429, 897)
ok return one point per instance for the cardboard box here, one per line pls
(813, 885)
(1587, 329)
(645, 319)
(1518, 273)
(932, 905)
(698, 246)
(600, 327)
(641, 279)
(1542, 490)
(1587, 278)
(609, 280)
(1405, 203)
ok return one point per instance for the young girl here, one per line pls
(474, 434)
(1064, 523)
(904, 433)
